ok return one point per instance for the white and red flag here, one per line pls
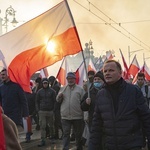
(44, 73)
(27, 51)
(125, 70)
(91, 66)
(134, 67)
(81, 74)
(62, 73)
(146, 71)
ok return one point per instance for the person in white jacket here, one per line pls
(70, 97)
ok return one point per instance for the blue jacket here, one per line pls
(121, 130)
(14, 102)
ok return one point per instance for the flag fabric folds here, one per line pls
(125, 72)
(27, 51)
(146, 71)
(91, 66)
(62, 73)
(134, 67)
(81, 74)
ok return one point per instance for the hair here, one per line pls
(116, 62)
(91, 72)
(141, 74)
(4, 69)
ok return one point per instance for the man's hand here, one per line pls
(88, 101)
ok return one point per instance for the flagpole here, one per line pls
(80, 45)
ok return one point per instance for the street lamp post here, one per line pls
(9, 12)
(131, 52)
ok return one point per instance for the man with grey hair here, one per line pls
(70, 97)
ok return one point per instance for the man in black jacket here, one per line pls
(120, 112)
(45, 102)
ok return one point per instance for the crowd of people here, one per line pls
(117, 112)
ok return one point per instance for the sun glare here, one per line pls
(51, 46)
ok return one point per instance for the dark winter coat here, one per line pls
(45, 99)
(14, 102)
(89, 108)
(122, 129)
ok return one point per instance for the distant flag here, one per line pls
(146, 71)
(27, 51)
(125, 72)
(81, 74)
(91, 66)
(99, 64)
(44, 73)
(134, 67)
(62, 73)
(109, 55)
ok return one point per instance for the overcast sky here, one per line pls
(110, 24)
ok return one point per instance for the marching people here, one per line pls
(45, 102)
(88, 103)
(57, 118)
(38, 85)
(13, 100)
(120, 112)
(70, 97)
(141, 83)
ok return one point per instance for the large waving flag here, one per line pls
(81, 74)
(125, 71)
(134, 67)
(62, 73)
(27, 51)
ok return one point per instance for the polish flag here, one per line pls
(81, 74)
(146, 71)
(125, 72)
(134, 67)
(62, 73)
(109, 55)
(2, 136)
(44, 73)
(91, 66)
(39, 43)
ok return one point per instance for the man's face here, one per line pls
(4, 76)
(45, 84)
(111, 73)
(71, 81)
(140, 81)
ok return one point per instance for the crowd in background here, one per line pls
(107, 113)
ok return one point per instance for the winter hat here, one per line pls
(38, 80)
(71, 75)
(51, 79)
(45, 80)
(100, 75)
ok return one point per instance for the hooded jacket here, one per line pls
(45, 99)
